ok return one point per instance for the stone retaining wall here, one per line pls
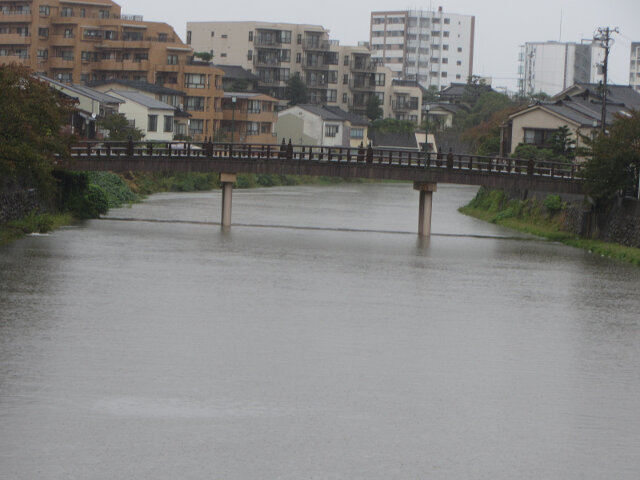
(16, 204)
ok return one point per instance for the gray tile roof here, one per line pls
(82, 90)
(138, 85)
(143, 99)
(393, 140)
(236, 72)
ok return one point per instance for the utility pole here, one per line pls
(604, 37)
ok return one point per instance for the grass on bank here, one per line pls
(33, 223)
(542, 219)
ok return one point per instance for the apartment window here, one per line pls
(194, 104)
(44, 10)
(445, 60)
(189, 37)
(331, 130)
(459, 49)
(83, 12)
(66, 54)
(332, 96)
(23, 31)
(346, 61)
(253, 106)
(379, 79)
(152, 124)
(458, 63)
(285, 56)
(345, 98)
(84, 77)
(43, 54)
(68, 33)
(66, 12)
(447, 21)
(298, 57)
(172, 59)
(265, 128)
(163, 37)
(110, 35)
(223, 55)
(194, 80)
(253, 128)
(445, 34)
(224, 35)
(436, 20)
(196, 126)
(43, 32)
(443, 74)
(168, 123)
(345, 79)
(92, 33)
(299, 39)
(249, 54)
(213, 34)
(458, 77)
(65, 77)
(332, 77)
(540, 137)
(357, 133)
(132, 36)
(251, 36)
(445, 47)
(285, 36)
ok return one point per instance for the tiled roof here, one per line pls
(393, 140)
(82, 90)
(236, 72)
(143, 99)
(138, 85)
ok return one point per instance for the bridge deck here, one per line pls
(381, 164)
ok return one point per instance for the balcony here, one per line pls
(404, 106)
(17, 59)
(135, 65)
(363, 67)
(59, 62)
(267, 42)
(362, 85)
(14, 39)
(62, 40)
(313, 44)
(15, 17)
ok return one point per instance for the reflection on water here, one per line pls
(319, 338)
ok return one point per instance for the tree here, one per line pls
(296, 91)
(204, 56)
(615, 158)
(32, 116)
(431, 95)
(119, 128)
(374, 110)
(562, 145)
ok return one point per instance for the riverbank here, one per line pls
(33, 223)
(546, 219)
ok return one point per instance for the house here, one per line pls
(91, 105)
(249, 117)
(327, 126)
(175, 98)
(237, 79)
(439, 115)
(416, 141)
(153, 117)
(578, 107)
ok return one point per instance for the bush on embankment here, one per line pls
(544, 218)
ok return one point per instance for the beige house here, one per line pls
(154, 118)
(325, 126)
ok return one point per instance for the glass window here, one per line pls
(168, 123)
(331, 130)
(152, 124)
(196, 126)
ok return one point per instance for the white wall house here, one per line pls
(153, 117)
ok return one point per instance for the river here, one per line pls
(319, 338)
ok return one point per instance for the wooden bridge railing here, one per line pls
(340, 155)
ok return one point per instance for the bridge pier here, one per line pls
(425, 206)
(227, 180)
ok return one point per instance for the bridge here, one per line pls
(424, 169)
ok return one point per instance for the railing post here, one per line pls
(530, 166)
(361, 152)
(450, 159)
(289, 150)
(149, 149)
(283, 149)
(108, 149)
(369, 154)
(130, 146)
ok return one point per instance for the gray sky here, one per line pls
(501, 25)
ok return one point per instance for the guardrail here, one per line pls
(384, 157)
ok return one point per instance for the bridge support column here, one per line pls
(424, 211)
(227, 180)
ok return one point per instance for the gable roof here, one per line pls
(393, 140)
(458, 89)
(143, 99)
(621, 94)
(69, 90)
(139, 85)
(236, 72)
(352, 118)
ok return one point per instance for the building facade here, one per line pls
(82, 41)
(634, 66)
(433, 48)
(550, 67)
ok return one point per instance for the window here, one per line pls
(44, 10)
(445, 60)
(332, 96)
(540, 137)
(223, 54)
(285, 56)
(84, 77)
(345, 79)
(443, 74)
(332, 77)
(445, 47)
(43, 54)
(65, 77)
(459, 49)
(224, 35)
(92, 34)
(346, 60)
(445, 34)
(253, 128)
(110, 35)
(447, 21)
(265, 128)
(357, 133)
(285, 36)
(83, 12)
(172, 59)
(68, 33)
(251, 36)
(213, 34)
(168, 123)
(43, 32)
(163, 37)
(299, 39)
(132, 36)
(66, 12)
(196, 126)
(253, 106)
(249, 54)
(103, 13)
(345, 98)
(194, 104)
(298, 57)
(458, 63)
(458, 77)
(331, 130)
(194, 80)
(152, 124)
(379, 79)
(189, 37)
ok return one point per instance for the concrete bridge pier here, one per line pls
(425, 206)
(227, 180)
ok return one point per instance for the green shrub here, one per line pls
(246, 180)
(553, 203)
(118, 193)
(91, 204)
(34, 222)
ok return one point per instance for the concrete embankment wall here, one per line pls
(16, 203)
(616, 221)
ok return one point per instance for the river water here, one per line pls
(319, 338)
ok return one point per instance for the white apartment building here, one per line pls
(550, 67)
(634, 66)
(434, 48)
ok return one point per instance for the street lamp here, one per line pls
(234, 99)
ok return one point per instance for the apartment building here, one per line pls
(77, 41)
(249, 117)
(634, 66)
(434, 48)
(335, 75)
(550, 67)
(271, 51)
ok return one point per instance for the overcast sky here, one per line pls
(501, 25)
